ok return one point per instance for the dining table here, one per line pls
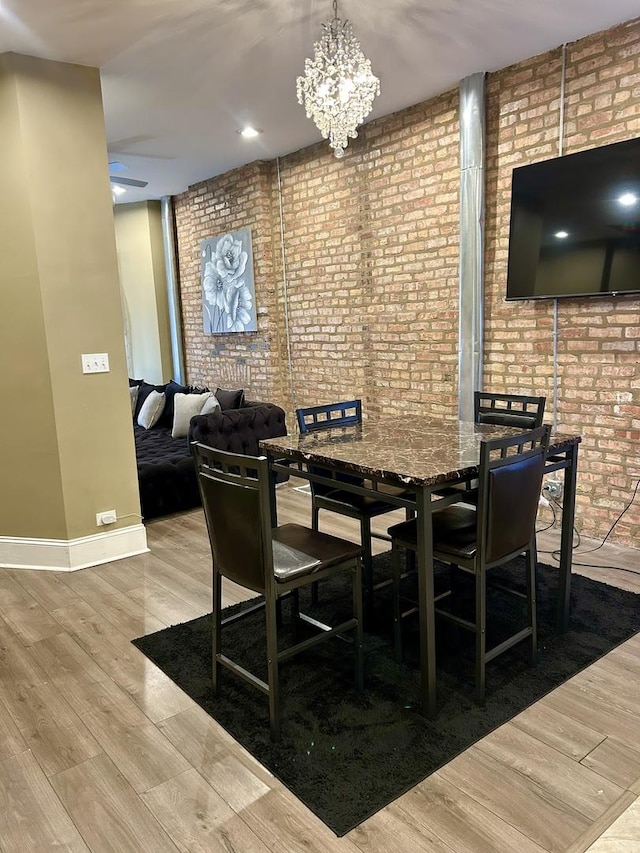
(432, 459)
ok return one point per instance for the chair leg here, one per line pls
(315, 513)
(272, 668)
(411, 560)
(481, 633)
(532, 586)
(367, 564)
(358, 639)
(396, 571)
(216, 628)
(295, 614)
(409, 513)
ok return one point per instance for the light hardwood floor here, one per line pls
(100, 751)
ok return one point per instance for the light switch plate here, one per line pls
(95, 362)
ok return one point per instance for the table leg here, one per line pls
(272, 493)
(426, 603)
(566, 540)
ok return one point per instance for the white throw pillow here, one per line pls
(151, 409)
(185, 406)
(211, 405)
(133, 394)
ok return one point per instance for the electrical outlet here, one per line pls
(95, 362)
(107, 517)
(553, 489)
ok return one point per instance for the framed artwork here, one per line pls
(228, 290)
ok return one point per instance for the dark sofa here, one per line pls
(166, 469)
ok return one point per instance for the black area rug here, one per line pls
(347, 755)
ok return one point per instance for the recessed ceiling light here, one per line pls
(249, 132)
(117, 190)
(561, 235)
(627, 199)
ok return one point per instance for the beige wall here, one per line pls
(144, 290)
(66, 437)
(372, 251)
(27, 431)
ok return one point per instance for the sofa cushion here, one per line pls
(184, 408)
(166, 473)
(211, 405)
(172, 388)
(144, 389)
(151, 409)
(133, 396)
(230, 399)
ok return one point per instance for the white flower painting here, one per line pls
(228, 295)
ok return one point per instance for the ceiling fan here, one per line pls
(116, 166)
(127, 182)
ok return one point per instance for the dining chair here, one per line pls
(479, 539)
(512, 410)
(339, 500)
(274, 562)
(517, 410)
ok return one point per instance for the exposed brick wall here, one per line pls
(372, 259)
(372, 252)
(598, 339)
(239, 199)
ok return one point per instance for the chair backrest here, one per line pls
(235, 496)
(510, 480)
(516, 410)
(329, 416)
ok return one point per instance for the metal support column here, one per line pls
(470, 326)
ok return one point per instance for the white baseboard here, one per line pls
(67, 556)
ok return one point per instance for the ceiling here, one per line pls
(180, 77)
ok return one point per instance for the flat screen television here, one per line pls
(575, 225)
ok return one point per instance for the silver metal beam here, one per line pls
(471, 292)
(173, 295)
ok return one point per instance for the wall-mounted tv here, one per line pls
(575, 225)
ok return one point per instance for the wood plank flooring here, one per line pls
(99, 751)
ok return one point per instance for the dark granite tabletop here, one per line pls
(421, 453)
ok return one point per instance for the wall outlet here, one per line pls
(95, 362)
(553, 489)
(108, 517)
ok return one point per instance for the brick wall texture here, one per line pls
(361, 297)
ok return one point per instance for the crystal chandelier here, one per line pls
(338, 87)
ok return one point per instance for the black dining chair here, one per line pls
(476, 540)
(274, 562)
(512, 410)
(339, 500)
(516, 410)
